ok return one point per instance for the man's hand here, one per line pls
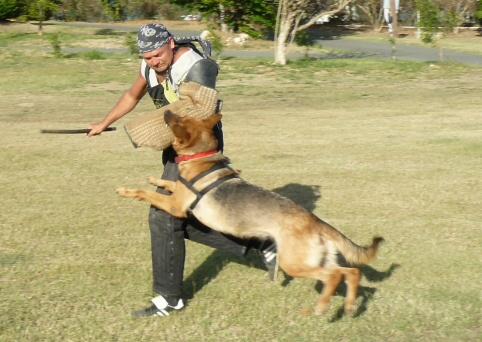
(96, 128)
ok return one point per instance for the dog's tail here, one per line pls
(354, 254)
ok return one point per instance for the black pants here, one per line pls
(168, 248)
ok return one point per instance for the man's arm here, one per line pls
(126, 103)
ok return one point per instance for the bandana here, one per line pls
(153, 36)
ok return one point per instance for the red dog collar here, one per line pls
(195, 156)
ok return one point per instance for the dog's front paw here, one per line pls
(153, 180)
(124, 192)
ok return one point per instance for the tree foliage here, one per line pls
(457, 9)
(8, 9)
(42, 9)
(249, 16)
(478, 12)
(434, 22)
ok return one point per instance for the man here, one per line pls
(168, 63)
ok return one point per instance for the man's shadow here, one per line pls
(306, 196)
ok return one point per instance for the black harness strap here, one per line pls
(215, 167)
(200, 194)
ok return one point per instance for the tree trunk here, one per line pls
(224, 27)
(282, 40)
(280, 53)
(40, 19)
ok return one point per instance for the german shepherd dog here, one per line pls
(213, 192)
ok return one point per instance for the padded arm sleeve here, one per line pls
(150, 130)
(203, 72)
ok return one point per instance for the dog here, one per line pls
(214, 193)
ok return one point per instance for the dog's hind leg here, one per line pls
(352, 280)
(330, 278)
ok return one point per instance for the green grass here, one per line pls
(372, 147)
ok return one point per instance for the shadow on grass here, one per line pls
(364, 292)
(36, 23)
(212, 266)
(304, 195)
(109, 32)
(324, 32)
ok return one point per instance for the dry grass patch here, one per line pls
(373, 147)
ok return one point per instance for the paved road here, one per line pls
(405, 52)
(354, 48)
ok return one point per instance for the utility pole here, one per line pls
(390, 10)
(394, 15)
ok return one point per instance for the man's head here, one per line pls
(151, 37)
(156, 46)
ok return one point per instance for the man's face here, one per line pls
(160, 59)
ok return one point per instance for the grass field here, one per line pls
(372, 147)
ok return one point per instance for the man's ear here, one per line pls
(172, 42)
(213, 120)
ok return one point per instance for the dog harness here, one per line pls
(200, 193)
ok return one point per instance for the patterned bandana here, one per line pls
(152, 36)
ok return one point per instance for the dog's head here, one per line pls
(192, 135)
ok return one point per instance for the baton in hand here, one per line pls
(73, 131)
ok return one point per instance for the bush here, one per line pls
(478, 16)
(21, 19)
(55, 42)
(304, 39)
(216, 41)
(94, 55)
(130, 41)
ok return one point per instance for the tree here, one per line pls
(373, 12)
(240, 16)
(41, 10)
(297, 15)
(304, 39)
(84, 10)
(478, 13)
(458, 9)
(433, 23)
(8, 9)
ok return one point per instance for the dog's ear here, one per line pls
(180, 133)
(213, 120)
(169, 116)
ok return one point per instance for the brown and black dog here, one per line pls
(214, 193)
